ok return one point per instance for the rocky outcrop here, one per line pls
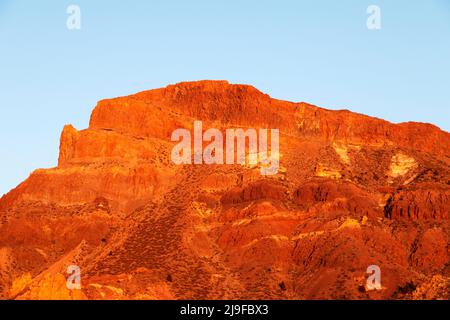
(351, 191)
(420, 202)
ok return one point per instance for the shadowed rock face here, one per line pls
(352, 191)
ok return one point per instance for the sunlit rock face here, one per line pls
(351, 191)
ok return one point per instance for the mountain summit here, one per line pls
(352, 191)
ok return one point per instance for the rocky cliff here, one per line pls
(352, 191)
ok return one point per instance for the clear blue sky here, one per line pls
(315, 51)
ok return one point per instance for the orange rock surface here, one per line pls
(352, 191)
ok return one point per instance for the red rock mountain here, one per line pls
(352, 191)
